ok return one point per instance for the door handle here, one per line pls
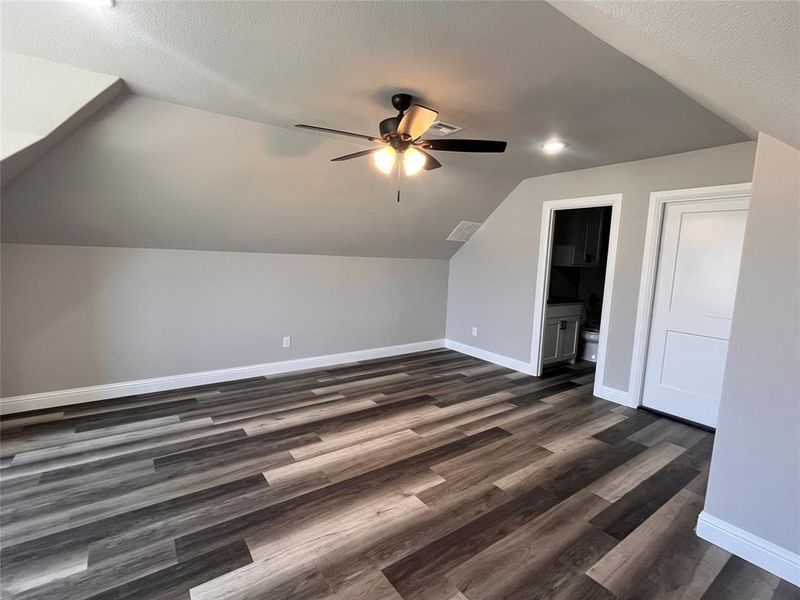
(562, 324)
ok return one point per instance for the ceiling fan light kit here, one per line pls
(413, 161)
(401, 136)
(384, 159)
(401, 140)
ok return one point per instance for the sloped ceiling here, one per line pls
(739, 58)
(147, 172)
(41, 102)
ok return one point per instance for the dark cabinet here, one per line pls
(562, 326)
(577, 238)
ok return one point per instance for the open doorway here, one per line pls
(575, 294)
(577, 255)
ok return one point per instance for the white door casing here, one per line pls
(537, 355)
(695, 286)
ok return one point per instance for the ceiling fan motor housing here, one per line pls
(402, 102)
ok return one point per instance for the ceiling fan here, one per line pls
(400, 137)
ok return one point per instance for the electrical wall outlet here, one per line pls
(287, 341)
(474, 331)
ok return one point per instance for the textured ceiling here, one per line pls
(514, 71)
(740, 58)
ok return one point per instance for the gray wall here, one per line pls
(79, 316)
(755, 468)
(143, 173)
(492, 277)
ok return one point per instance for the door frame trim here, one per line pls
(549, 209)
(652, 248)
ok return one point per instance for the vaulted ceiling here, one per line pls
(741, 59)
(151, 170)
(41, 102)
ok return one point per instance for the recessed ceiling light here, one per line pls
(553, 146)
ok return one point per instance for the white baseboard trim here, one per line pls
(498, 359)
(760, 552)
(613, 395)
(15, 404)
(600, 390)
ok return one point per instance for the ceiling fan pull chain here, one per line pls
(399, 178)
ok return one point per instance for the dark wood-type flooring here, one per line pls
(430, 476)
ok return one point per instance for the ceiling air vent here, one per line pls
(440, 129)
(464, 231)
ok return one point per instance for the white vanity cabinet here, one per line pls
(562, 327)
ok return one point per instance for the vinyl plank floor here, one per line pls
(428, 476)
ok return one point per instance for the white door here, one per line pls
(698, 268)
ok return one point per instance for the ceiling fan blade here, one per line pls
(416, 121)
(355, 155)
(464, 145)
(430, 162)
(338, 132)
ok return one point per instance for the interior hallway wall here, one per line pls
(82, 316)
(755, 468)
(492, 277)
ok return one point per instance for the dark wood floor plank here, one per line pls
(786, 591)
(416, 573)
(428, 476)
(590, 469)
(483, 467)
(635, 507)
(530, 397)
(629, 426)
(337, 493)
(132, 415)
(563, 576)
(669, 431)
(662, 558)
(508, 565)
(153, 515)
(91, 582)
(447, 517)
(208, 441)
(739, 578)
(235, 450)
(176, 581)
(86, 505)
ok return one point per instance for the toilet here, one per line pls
(591, 338)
